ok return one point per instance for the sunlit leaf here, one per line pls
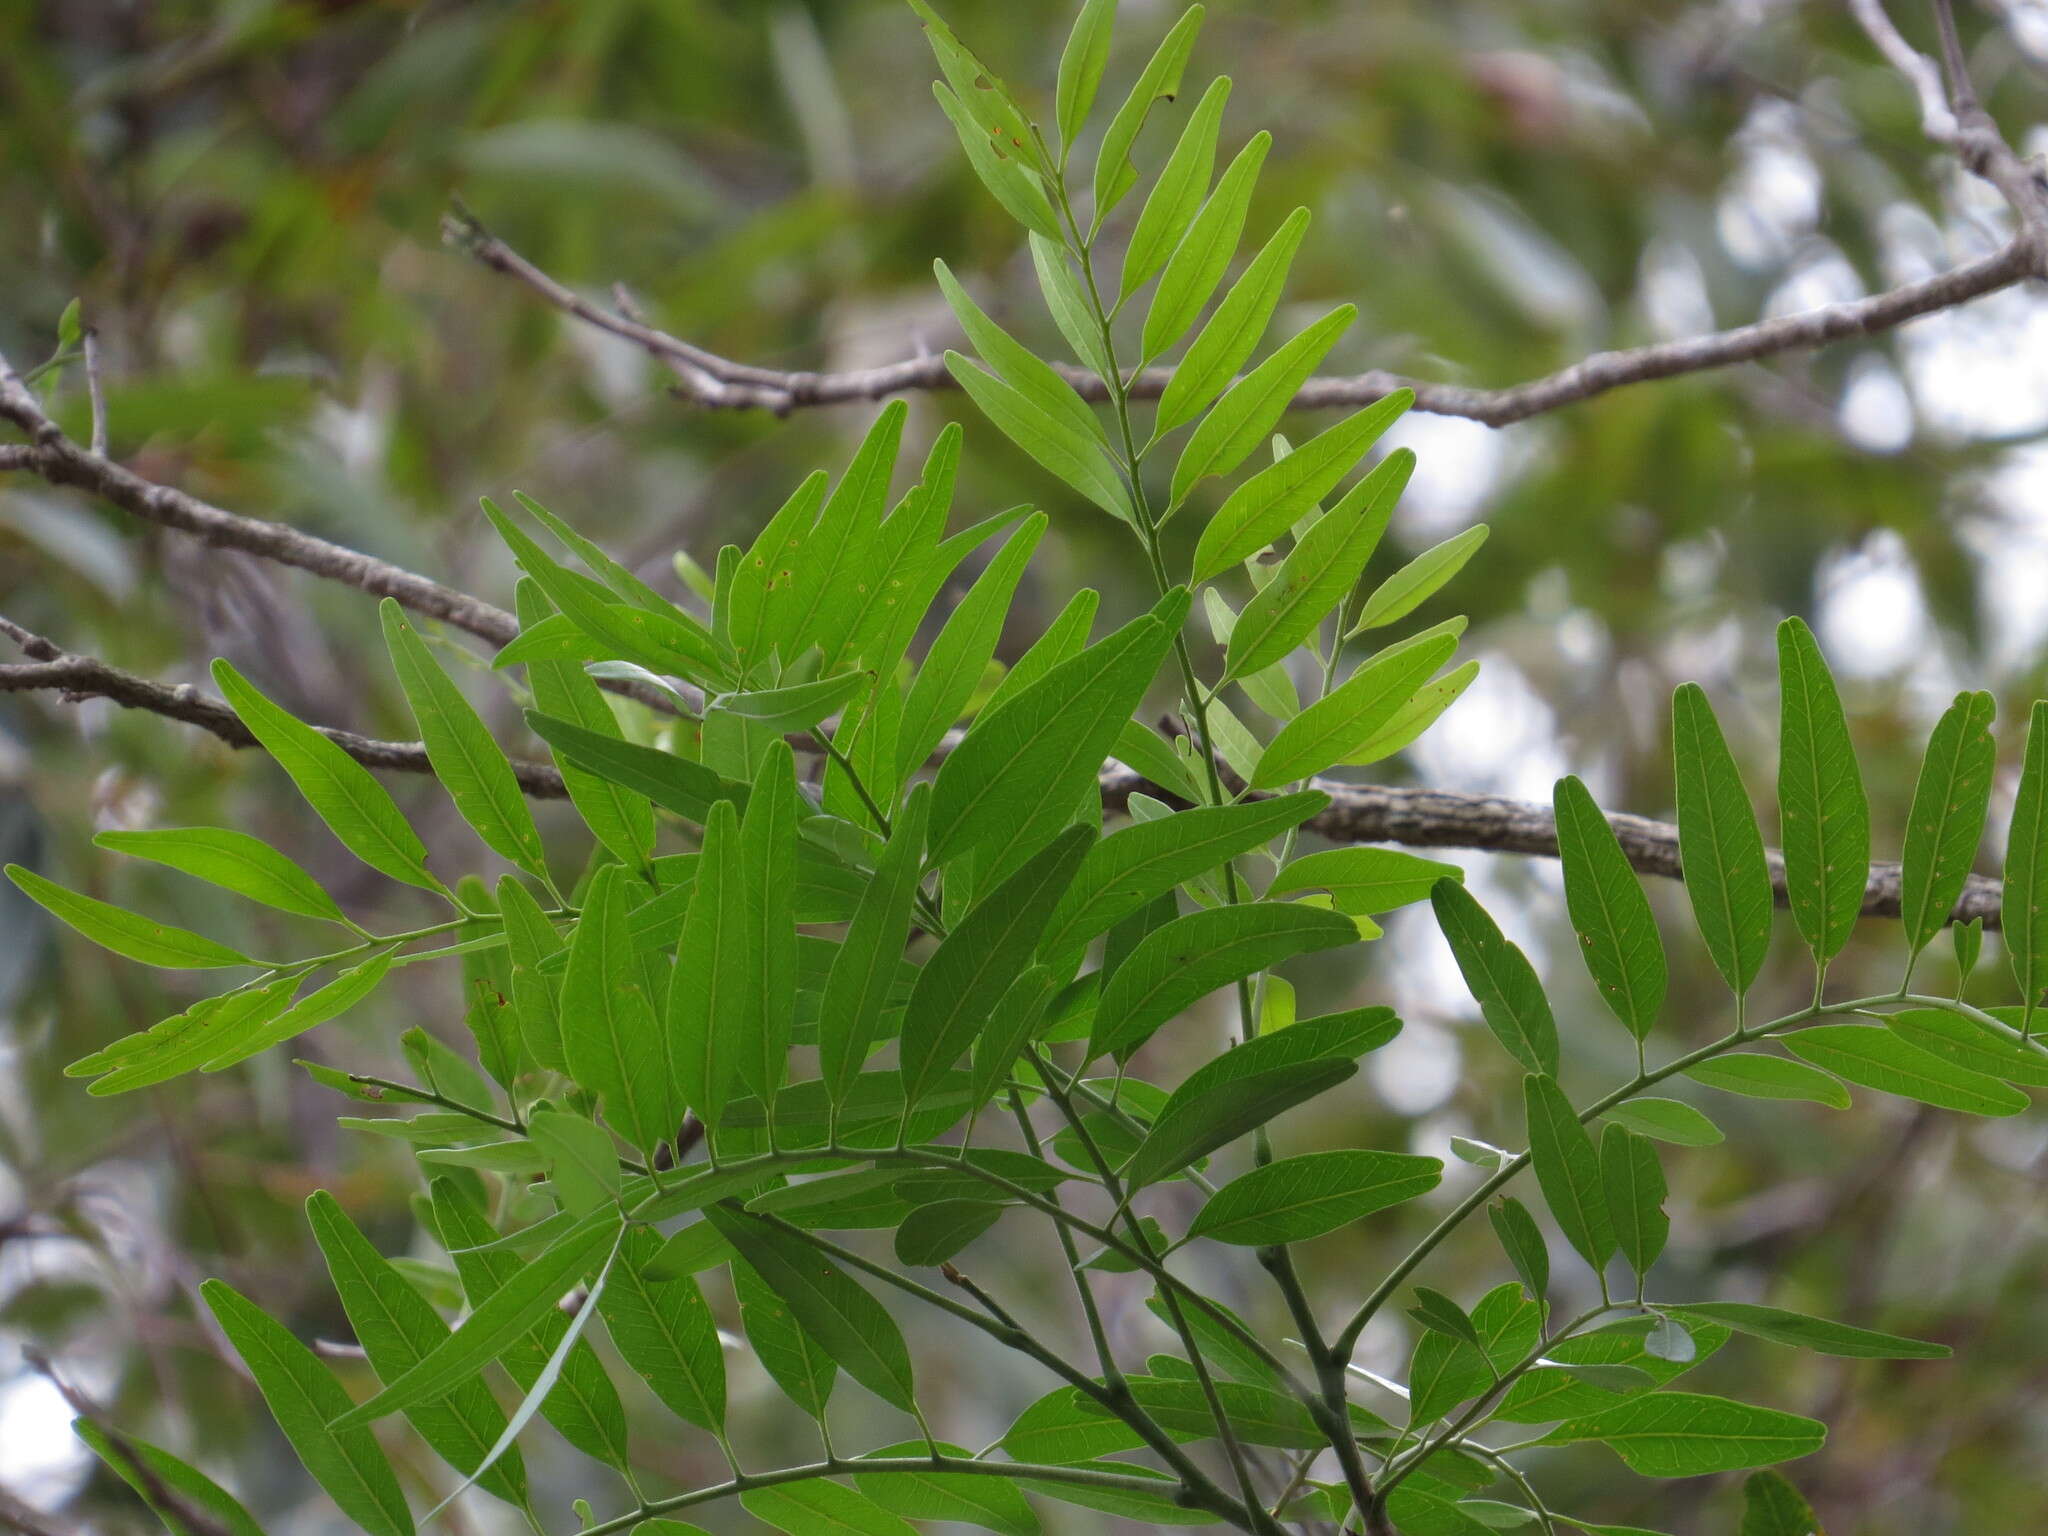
(1273, 500)
(235, 861)
(305, 1399)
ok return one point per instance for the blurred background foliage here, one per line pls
(246, 195)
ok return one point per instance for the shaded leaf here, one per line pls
(1568, 1170)
(1718, 843)
(1302, 1197)
(1824, 816)
(1684, 1434)
(1499, 977)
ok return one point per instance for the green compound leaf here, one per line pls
(1522, 1241)
(610, 1037)
(1193, 1125)
(621, 819)
(1758, 1076)
(1719, 844)
(1568, 1170)
(1685, 1434)
(304, 1398)
(1319, 571)
(126, 933)
(708, 995)
(1229, 337)
(1273, 500)
(1114, 173)
(1967, 1042)
(1302, 1197)
(1190, 957)
(1008, 182)
(1878, 1058)
(1017, 365)
(834, 1311)
(1500, 978)
(1419, 580)
(470, 765)
(993, 1503)
(355, 806)
(1178, 192)
(1824, 816)
(1134, 864)
(510, 1313)
(1081, 65)
(1203, 255)
(1363, 881)
(1666, 1120)
(1331, 729)
(1016, 777)
(958, 658)
(1617, 931)
(235, 861)
(397, 1327)
(1947, 819)
(818, 1508)
(1771, 1506)
(1248, 412)
(864, 971)
(674, 783)
(666, 1332)
(975, 965)
(2025, 910)
(1814, 1333)
(1076, 457)
(1635, 1195)
(174, 1490)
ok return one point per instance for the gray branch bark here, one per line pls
(709, 380)
(1357, 813)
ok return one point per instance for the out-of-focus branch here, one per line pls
(59, 460)
(1953, 117)
(176, 1510)
(707, 379)
(56, 458)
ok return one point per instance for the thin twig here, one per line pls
(95, 394)
(1937, 120)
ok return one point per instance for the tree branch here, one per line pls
(710, 380)
(60, 461)
(74, 678)
(1357, 813)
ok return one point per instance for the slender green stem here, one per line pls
(1098, 1335)
(1226, 1432)
(1482, 1405)
(1333, 1407)
(1197, 1488)
(839, 1466)
(1347, 1339)
(430, 1096)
